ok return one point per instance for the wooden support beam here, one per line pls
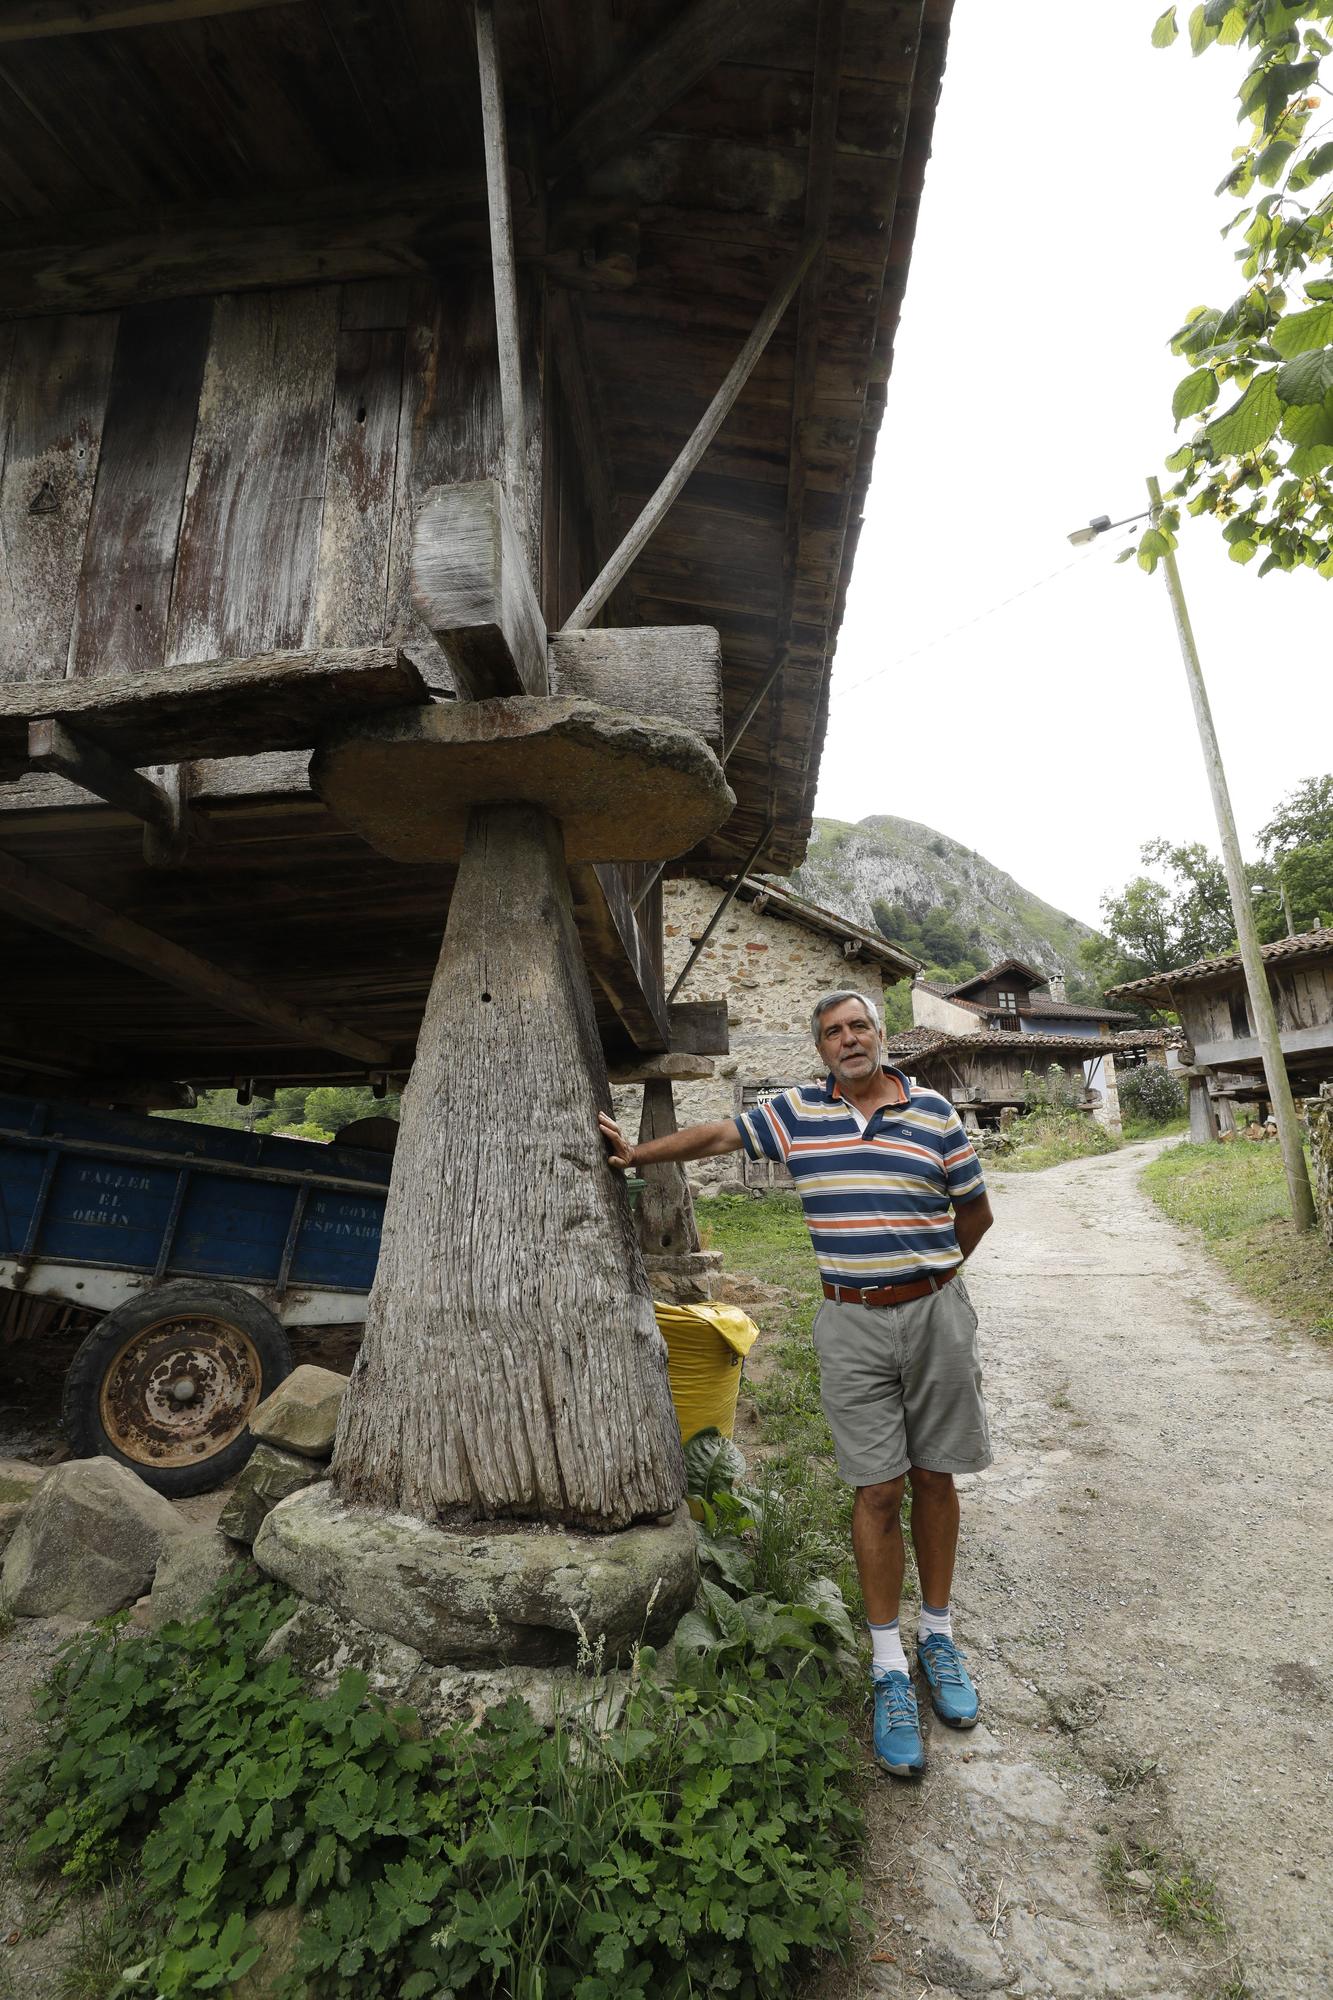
(26, 1042)
(53, 906)
(217, 708)
(52, 746)
(386, 229)
(670, 670)
(470, 583)
(38, 20)
(696, 41)
(652, 516)
(699, 1027)
(504, 270)
(617, 953)
(665, 1069)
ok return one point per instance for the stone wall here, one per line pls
(1319, 1111)
(770, 972)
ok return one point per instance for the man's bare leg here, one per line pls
(877, 1544)
(934, 1533)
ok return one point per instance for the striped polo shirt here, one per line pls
(877, 1193)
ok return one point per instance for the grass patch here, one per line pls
(1050, 1138)
(1236, 1197)
(1134, 1129)
(1178, 1897)
(807, 1525)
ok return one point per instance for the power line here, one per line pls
(942, 638)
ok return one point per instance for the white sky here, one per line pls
(1068, 224)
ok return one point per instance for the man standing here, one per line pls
(894, 1199)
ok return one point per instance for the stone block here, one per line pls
(88, 1543)
(691, 1279)
(268, 1476)
(189, 1569)
(302, 1413)
(18, 1482)
(517, 1593)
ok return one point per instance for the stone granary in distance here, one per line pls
(766, 960)
(1221, 1054)
(482, 398)
(1010, 998)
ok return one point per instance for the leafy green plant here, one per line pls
(1261, 465)
(702, 1845)
(1151, 1093)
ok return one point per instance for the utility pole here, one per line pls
(1256, 978)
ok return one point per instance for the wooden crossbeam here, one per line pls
(37, 20)
(51, 905)
(54, 747)
(697, 40)
(470, 583)
(504, 268)
(670, 670)
(217, 708)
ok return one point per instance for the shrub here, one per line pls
(701, 1845)
(1053, 1091)
(1151, 1093)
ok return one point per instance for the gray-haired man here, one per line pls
(894, 1199)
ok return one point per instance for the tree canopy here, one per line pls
(1261, 464)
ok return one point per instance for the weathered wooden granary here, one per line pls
(482, 397)
(249, 323)
(985, 1074)
(1221, 1052)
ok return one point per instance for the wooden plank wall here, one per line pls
(213, 478)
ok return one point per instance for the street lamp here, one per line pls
(1102, 524)
(1256, 979)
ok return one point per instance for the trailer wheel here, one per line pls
(167, 1382)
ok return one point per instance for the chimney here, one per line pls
(1056, 985)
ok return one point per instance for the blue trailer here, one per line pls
(199, 1245)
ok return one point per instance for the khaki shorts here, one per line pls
(901, 1386)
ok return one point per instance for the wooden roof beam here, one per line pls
(51, 905)
(700, 37)
(39, 20)
(53, 747)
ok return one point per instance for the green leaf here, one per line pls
(1202, 35)
(712, 1463)
(1243, 552)
(1298, 332)
(1165, 29)
(1249, 423)
(1308, 379)
(1197, 392)
(1308, 423)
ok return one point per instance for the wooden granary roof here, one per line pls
(186, 181)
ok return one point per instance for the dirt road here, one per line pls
(1146, 1596)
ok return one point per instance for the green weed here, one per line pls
(1049, 1138)
(703, 1844)
(1180, 1898)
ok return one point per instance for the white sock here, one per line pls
(886, 1645)
(934, 1620)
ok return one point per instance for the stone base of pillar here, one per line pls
(519, 1593)
(685, 1281)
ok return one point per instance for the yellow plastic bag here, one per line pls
(705, 1347)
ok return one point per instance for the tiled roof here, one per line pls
(1035, 1005)
(1006, 965)
(923, 1042)
(1157, 988)
(778, 902)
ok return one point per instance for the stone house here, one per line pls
(1009, 998)
(770, 958)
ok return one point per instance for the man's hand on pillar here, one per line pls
(620, 1154)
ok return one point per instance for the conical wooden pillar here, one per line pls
(511, 1364)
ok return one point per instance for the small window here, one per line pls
(1240, 1018)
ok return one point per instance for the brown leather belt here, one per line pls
(888, 1295)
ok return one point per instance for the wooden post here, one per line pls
(1203, 1128)
(511, 1364)
(504, 272)
(1256, 978)
(665, 1222)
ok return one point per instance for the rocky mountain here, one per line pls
(885, 862)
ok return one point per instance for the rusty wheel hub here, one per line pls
(180, 1391)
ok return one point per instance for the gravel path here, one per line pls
(1144, 1594)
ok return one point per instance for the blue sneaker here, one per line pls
(952, 1695)
(898, 1744)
